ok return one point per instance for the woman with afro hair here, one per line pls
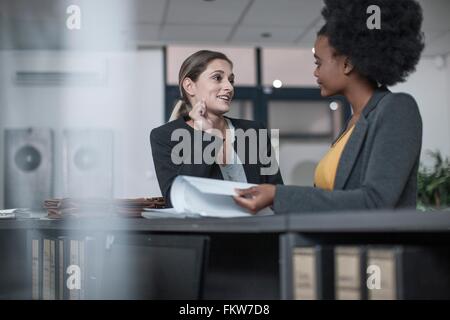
(374, 161)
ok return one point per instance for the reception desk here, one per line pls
(198, 258)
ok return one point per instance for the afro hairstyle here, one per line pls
(386, 55)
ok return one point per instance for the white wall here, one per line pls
(129, 100)
(294, 154)
(430, 86)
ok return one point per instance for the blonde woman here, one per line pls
(206, 83)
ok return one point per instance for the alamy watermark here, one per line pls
(253, 146)
(73, 21)
(374, 20)
(74, 279)
(374, 277)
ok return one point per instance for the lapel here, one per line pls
(354, 143)
(251, 171)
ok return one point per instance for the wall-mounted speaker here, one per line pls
(28, 167)
(88, 163)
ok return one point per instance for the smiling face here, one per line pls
(332, 70)
(215, 85)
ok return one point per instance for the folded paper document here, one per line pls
(21, 213)
(203, 197)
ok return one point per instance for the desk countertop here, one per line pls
(348, 222)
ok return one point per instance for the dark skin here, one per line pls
(336, 76)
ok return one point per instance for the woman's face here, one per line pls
(330, 68)
(215, 85)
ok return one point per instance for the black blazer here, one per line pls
(378, 166)
(167, 171)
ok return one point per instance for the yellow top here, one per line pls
(326, 169)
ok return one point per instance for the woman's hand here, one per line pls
(199, 115)
(255, 198)
(201, 121)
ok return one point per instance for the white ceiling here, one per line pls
(40, 24)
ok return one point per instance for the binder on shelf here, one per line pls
(83, 256)
(44, 272)
(408, 272)
(35, 251)
(73, 269)
(61, 272)
(313, 274)
(48, 270)
(92, 260)
(350, 273)
(51, 255)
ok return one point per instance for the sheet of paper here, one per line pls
(214, 186)
(164, 213)
(204, 197)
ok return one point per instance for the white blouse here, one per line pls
(233, 171)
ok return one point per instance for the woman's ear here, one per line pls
(348, 66)
(189, 86)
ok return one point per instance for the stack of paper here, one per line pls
(22, 213)
(203, 197)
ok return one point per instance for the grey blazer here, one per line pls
(378, 166)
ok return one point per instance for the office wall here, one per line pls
(130, 99)
(127, 98)
(430, 86)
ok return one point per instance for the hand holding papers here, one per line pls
(203, 197)
(256, 198)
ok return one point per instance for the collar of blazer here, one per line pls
(354, 143)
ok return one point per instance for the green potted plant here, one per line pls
(433, 184)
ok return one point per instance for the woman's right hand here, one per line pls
(199, 114)
(201, 121)
(255, 198)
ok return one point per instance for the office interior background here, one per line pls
(86, 82)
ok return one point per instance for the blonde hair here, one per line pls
(180, 109)
(191, 68)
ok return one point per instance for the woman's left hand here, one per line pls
(255, 198)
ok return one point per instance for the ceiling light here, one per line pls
(334, 105)
(277, 83)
